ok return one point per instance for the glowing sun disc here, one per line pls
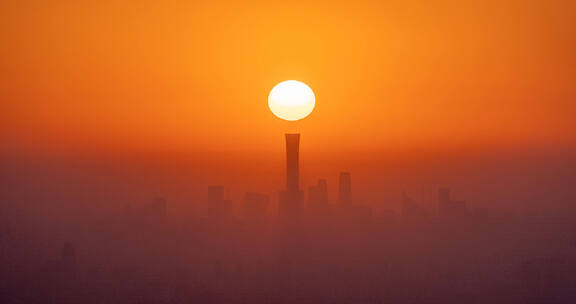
(291, 100)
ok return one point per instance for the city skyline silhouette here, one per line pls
(298, 244)
(293, 152)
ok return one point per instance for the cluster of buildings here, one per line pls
(294, 204)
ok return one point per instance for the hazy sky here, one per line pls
(396, 78)
(195, 75)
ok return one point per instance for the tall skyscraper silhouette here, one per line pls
(290, 207)
(292, 162)
(345, 188)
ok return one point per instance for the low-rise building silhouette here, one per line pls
(218, 206)
(449, 208)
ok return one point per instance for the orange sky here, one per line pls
(194, 75)
(410, 94)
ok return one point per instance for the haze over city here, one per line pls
(287, 152)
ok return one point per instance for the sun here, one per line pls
(291, 100)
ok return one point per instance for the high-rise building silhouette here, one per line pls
(443, 195)
(317, 202)
(318, 194)
(292, 162)
(215, 193)
(345, 188)
(410, 209)
(218, 206)
(448, 207)
(290, 206)
(152, 212)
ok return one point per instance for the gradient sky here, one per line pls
(192, 77)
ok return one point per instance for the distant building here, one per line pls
(448, 207)
(345, 188)
(153, 212)
(290, 203)
(215, 193)
(410, 208)
(317, 202)
(218, 206)
(318, 194)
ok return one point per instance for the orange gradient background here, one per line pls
(189, 80)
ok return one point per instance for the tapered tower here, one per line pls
(290, 207)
